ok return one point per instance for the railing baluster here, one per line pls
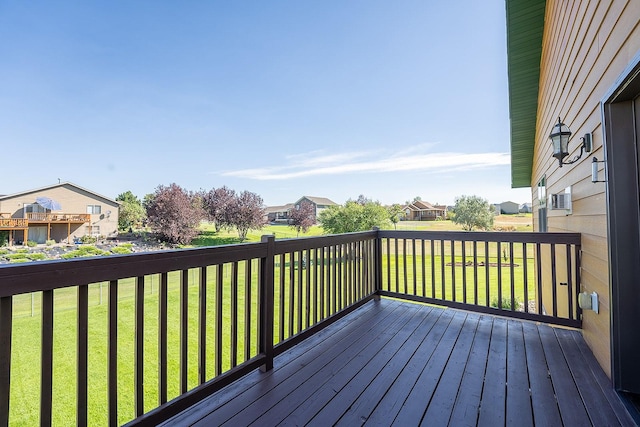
(464, 270)
(525, 261)
(113, 353)
(83, 334)
(323, 291)
(388, 287)
(247, 310)
(569, 283)
(475, 272)
(424, 270)
(499, 258)
(513, 278)
(486, 273)
(234, 314)
(6, 325)
(554, 281)
(202, 327)
(282, 299)
(184, 329)
(442, 270)
(292, 283)
(139, 348)
(397, 257)
(46, 370)
(308, 263)
(453, 269)
(219, 325)
(405, 287)
(539, 278)
(334, 279)
(316, 287)
(578, 260)
(300, 289)
(162, 338)
(433, 268)
(415, 278)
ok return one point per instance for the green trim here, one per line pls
(525, 27)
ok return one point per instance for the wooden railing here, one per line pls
(58, 217)
(18, 223)
(183, 324)
(533, 276)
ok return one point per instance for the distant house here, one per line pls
(526, 208)
(319, 203)
(423, 211)
(279, 214)
(58, 212)
(506, 208)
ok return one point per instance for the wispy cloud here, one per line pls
(414, 159)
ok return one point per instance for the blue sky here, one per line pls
(390, 99)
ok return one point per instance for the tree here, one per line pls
(395, 212)
(353, 216)
(473, 212)
(131, 213)
(173, 215)
(217, 205)
(245, 213)
(302, 217)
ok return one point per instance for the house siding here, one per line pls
(586, 47)
(74, 200)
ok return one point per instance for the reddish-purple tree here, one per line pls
(173, 214)
(217, 205)
(302, 217)
(246, 213)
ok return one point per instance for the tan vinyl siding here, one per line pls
(586, 47)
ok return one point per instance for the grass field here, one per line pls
(27, 329)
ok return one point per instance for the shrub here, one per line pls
(88, 239)
(50, 242)
(21, 251)
(3, 252)
(505, 303)
(16, 256)
(37, 257)
(18, 260)
(120, 250)
(84, 251)
(32, 244)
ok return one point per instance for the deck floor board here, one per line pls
(392, 362)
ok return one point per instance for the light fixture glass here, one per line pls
(560, 139)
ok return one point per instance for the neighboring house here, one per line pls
(579, 63)
(279, 214)
(319, 203)
(507, 208)
(424, 211)
(525, 208)
(76, 212)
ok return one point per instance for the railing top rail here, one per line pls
(47, 275)
(485, 236)
(293, 245)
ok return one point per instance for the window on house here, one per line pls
(94, 209)
(542, 205)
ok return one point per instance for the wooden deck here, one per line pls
(398, 363)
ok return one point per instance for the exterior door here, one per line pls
(621, 112)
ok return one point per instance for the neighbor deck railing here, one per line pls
(183, 324)
(58, 217)
(18, 223)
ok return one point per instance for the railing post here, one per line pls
(377, 255)
(267, 303)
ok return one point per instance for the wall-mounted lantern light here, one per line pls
(560, 139)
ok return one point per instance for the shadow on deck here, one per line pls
(401, 363)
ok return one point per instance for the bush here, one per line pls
(88, 239)
(18, 260)
(84, 251)
(16, 256)
(50, 242)
(121, 250)
(505, 303)
(3, 252)
(32, 244)
(37, 257)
